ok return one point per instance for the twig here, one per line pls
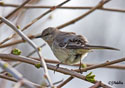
(16, 64)
(14, 11)
(66, 81)
(11, 70)
(65, 24)
(109, 66)
(23, 4)
(93, 67)
(18, 84)
(63, 7)
(99, 5)
(51, 67)
(33, 45)
(5, 40)
(17, 41)
(58, 82)
(44, 14)
(122, 67)
(14, 80)
(96, 85)
(8, 78)
(88, 65)
(101, 65)
(9, 15)
(15, 73)
(39, 17)
(35, 50)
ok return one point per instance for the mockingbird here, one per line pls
(68, 47)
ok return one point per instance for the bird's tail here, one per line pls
(100, 47)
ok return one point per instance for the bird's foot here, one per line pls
(57, 66)
(80, 69)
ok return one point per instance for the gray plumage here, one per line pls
(68, 47)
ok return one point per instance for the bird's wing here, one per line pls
(71, 41)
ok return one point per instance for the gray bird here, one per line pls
(68, 47)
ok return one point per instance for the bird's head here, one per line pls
(48, 34)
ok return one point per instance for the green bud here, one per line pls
(37, 65)
(18, 27)
(90, 77)
(88, 74)
(39, 49)
(83, 65)
(16, 51)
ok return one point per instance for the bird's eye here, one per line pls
(46, 34)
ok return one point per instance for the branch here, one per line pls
(121, 67)
(36, 19)
(18, 84)
(96, 85)
(9, 15)
(99, 5)
(17, 41)
(35, 50)
(88, 65)
(66, 81)
(32, 44)
(7, 78)
(15, 73)
(18, 8)
(14, 80)
(101, 65)
(70, 22)
(44, 14)
(51, 67)
(93, 67)
(63, 7)
(109, 66)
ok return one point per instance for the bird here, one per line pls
(68, 47)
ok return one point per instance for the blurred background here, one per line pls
(100, 28)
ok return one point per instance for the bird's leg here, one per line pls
(57, 66)
(80, 66)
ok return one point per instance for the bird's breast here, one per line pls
(68, 56)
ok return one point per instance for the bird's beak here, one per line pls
(39, 36)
